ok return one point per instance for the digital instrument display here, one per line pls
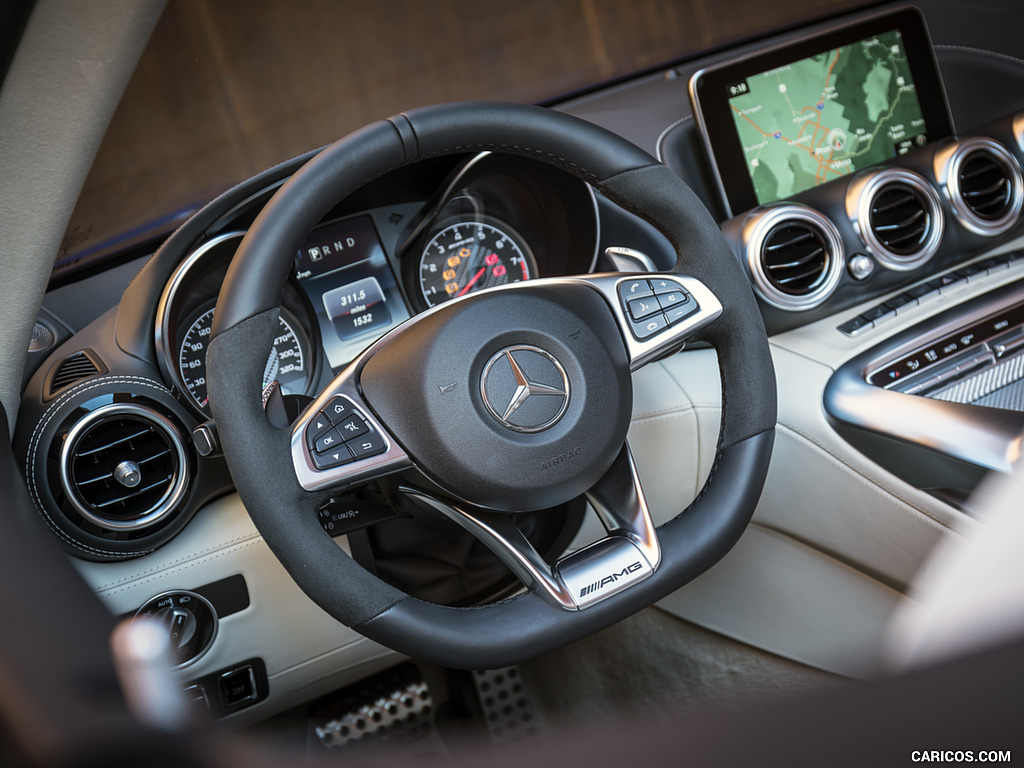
(343, 270)
(793, 118)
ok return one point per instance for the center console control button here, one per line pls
(898, 302)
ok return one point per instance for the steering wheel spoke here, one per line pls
(339, 442)
(498, 532)
(621, 506)
(629, 553)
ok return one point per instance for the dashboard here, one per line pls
(889, 283)
(463, 225)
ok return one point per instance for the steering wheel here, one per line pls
(515, 399)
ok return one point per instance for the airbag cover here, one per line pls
(427, 383)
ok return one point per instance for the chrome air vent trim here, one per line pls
(779, 242)
(898, 216)
(983, 184)
(115, 491)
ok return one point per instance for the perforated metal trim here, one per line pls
(509, 711)
(394, 706)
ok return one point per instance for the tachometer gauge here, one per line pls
(289, 360)
(470, 256)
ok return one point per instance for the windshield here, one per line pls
(226, 89)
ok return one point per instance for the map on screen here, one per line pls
(820, 118)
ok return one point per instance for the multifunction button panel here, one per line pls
(955, 355)
(340, 433)
(653, 305)
(919, 294)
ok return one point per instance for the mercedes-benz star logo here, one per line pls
(525, 388)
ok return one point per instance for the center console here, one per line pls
(943, 401)
(878, 240)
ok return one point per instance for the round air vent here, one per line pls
(898, 216)
(123, 467)
(983, 183)
(795, 256)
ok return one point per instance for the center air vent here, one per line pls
(898, 216)
(899, 219)
(985, 186)
(123, 467)
(795, 256)
(983, 183)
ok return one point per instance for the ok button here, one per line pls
(328, 441)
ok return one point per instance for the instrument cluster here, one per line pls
(492, 220)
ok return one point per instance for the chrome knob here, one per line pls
(128, 474)
(860, 266)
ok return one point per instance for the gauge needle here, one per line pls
(471, 282)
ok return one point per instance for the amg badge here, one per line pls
(611, 578)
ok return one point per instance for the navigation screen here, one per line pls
(820, 108)
(822, 117)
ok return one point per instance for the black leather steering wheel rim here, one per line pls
(258, 454)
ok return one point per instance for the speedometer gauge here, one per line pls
(470, 256)
(288, 362)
